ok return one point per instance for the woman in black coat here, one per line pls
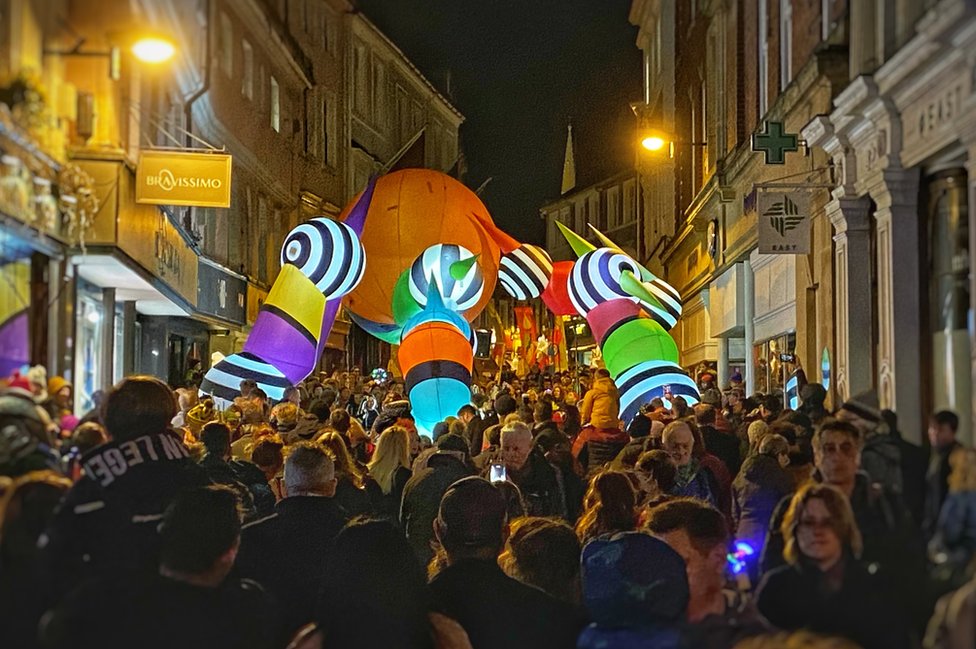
(824, 588)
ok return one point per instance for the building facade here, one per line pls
(903, 138)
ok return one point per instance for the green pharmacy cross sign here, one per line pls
(774, 143)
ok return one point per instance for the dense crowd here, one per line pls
(533, 518)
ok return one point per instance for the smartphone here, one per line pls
(787, 358)
(498, 473)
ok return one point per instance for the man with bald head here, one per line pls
(527, 468)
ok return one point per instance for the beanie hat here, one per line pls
(865, 406)
(712, 397)
(19, 381)
(55, 384)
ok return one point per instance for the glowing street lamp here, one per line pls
(653, 143)
(152, 49)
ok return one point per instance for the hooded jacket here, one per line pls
(760, 486)
(108, 519)
(881, 460)
(601, 405)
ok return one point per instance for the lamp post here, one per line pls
(149, 48)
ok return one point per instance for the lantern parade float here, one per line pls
(414, 259)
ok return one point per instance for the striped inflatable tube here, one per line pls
(525, 272)
(436, 357)
(596, 278)
(649, 379)
(328, 253)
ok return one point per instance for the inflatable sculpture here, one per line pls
(630, 312)
(414, 259)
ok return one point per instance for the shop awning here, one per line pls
(151, 297)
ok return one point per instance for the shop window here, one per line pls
(88, 347)
(772, 362)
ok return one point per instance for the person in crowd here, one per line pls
(284, 552)
(722, 444)
(691, 478)
(698, 533)
(27, 435)
(824, 587)
(356, 492)
(557, 449)
(655, 473)
(680, 408)
(542, 418)
(190, 601)
(285, 417)
(108, 518)
(722, 479)
(369, 410)
(371, 568)
(757, 430)
(423, 492)
(812, 399)
(494, 609)
(954, 540)
(892, 545)
(254, 491)
(241, 448)
(267, 456)
(390, 467)
(601, 404)
(914, 466)
(312, 422)
(942, 438)
(27, 506)
(610, 506)
(59, 396)
(635, 590)
(760, 486)
(796, 640)
(84, 438)
(538, 481)
(880, 456)
(953, 624)
(544, 553)
(572, 423)
(770, 408)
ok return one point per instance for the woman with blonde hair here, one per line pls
(824, 587)
(351, 483)
(610, 506)
(390, 467)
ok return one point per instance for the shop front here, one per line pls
(773, 353)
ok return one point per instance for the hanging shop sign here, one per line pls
(784, 222)
(221, 293)
(183, 178)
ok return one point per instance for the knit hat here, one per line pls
(452, 443)
(712, 397)
(865, 406)
(17, 380)
(55, 384)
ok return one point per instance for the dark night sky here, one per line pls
(519, 70)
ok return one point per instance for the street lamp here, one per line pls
(653, 143)
(153, 49)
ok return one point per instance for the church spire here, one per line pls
(569, 163)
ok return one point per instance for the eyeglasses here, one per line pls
(845, 448)
(814, 524)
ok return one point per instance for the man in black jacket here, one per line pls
(423, 491)
(540, 483)
(244, 477)
(188, 602)
(108, 519)
(942, 436)
(286, 551)
(494, 609)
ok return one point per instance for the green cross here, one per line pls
(774, 143)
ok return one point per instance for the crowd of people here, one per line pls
(532, 518)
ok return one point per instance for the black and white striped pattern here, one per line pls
(596, 278)
(650, 379)
(669, 298)
(525, 272)
(457, 294)
(328, 253)
(223, 380)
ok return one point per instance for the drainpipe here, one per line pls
(208, 63)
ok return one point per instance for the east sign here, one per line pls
(183, 178)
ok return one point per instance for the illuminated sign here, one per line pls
(183, 178)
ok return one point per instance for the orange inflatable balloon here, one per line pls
(411, 210)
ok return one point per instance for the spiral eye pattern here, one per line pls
(596, 278)
(436, 261)
(525, 272)
(328, 253)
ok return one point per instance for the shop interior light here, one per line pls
(93, 317)
(153, 49)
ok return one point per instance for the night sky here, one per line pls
(519, 70)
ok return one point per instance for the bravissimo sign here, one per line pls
(183, 178)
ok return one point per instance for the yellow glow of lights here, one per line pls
(153, 50)
(653, 143)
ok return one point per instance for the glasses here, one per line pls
(815, 524)
(845, 448)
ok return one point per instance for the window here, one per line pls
(763, 57)
(247, 84)
(275, 106)
(263, 228)
(226, 45)
(785, 42)
(657, 45)
(325, 130)
(362, 90)
(824, 19)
